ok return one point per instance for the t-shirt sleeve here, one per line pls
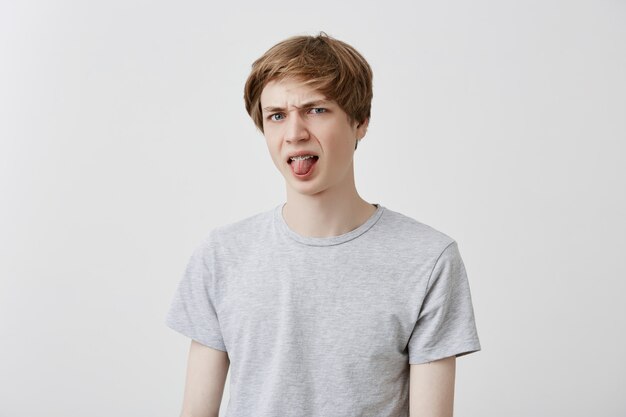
(192, 311)
(445, 325)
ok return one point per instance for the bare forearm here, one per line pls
(432, 388)
(206, 375)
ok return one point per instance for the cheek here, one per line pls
(272, 135)
(343, 145)
(274, 149)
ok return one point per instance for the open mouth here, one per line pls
(312, 157)
(302, 165)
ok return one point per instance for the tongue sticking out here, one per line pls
(303, 166)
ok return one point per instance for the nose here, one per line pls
(295, 128)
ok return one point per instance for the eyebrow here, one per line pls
(304, 105)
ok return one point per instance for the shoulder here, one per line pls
(403, 231)
(240, 234)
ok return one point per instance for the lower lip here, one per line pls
(304, 176)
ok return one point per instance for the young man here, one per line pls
(325, 305)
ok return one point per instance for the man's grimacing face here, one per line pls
(298, 118)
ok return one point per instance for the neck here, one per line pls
(332, 212)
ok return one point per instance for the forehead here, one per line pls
(287, 93)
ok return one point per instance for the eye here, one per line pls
(318, 110)
(271, 116)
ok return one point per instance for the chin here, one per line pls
(306, 189)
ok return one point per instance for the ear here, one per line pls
(361, 128)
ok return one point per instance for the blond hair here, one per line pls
(330, 66)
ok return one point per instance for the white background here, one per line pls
(124, 139)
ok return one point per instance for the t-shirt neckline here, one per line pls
(280, 222)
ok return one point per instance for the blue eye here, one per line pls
(271, 116)
(322, 110)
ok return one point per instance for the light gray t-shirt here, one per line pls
(325, 326)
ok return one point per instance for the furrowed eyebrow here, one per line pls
(309, 104)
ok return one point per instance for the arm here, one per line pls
(206, 376)
(432, 388)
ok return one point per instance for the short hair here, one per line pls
(328, 65)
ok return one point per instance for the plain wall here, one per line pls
(124, 139)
